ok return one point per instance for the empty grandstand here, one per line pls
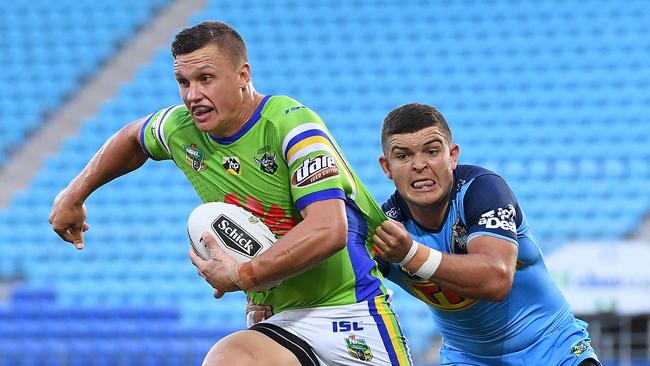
(553, 95)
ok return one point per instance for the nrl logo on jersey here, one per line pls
(231, 164)
(358, 348)
(313, 170)
(267, 163)
(580, 348)
(194, 157)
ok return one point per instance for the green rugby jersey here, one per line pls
(282, 159)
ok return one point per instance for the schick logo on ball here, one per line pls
(235, 238)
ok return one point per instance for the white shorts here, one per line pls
(365, 333)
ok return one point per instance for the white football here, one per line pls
(242, 235)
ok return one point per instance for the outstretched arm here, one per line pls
(121, 154)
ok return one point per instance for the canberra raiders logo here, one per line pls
(267, 163)
(194, 157)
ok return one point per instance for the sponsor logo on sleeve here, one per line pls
(231, 164)
(194, 157)
(236, 238)
(502, 218)
(438, 297)
(153, 126)
(313, 170)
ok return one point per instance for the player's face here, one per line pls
(421, 165)
(212, 88)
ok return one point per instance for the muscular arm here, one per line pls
(322, 233)
(486, 272)
(121, 154)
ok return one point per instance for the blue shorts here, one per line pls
(567, 345)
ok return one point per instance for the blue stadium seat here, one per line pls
(58, 45)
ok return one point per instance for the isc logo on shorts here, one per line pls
(345, 326)
(235, 238)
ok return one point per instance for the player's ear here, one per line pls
(244, 74)
(383, 163)
(453, 155)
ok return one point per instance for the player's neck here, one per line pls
(430, 217)
(251, 100)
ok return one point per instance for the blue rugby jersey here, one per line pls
(481, 203)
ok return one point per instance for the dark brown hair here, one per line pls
(221, 34)
(411, 118)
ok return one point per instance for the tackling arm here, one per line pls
(486, 272)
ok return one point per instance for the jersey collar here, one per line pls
(247, 126)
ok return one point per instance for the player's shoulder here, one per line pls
(281, 109)
(465, 175)
(281, 105)
(468, 172)
(396, 208)
(171, 117)
(481, 189)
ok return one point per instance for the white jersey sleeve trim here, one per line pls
(160, 127)
(298, 130)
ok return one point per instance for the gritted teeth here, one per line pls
(201, 109)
